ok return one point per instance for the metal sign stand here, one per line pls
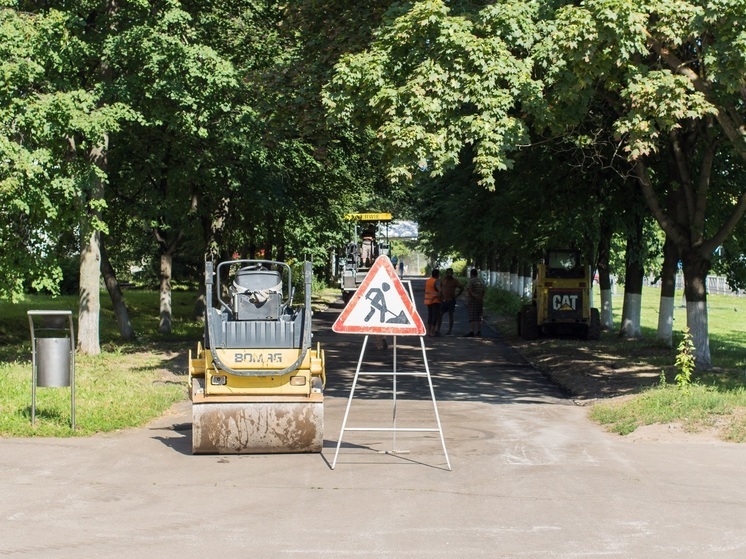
(52, 355)
(394, 429)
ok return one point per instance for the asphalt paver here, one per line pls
(531, 476)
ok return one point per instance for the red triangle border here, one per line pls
(418, 329)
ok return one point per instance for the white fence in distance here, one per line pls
(716, 285)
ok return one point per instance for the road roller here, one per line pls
(255, 381)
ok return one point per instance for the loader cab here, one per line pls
(370, 239)
(565, 263)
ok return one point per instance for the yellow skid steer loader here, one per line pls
(561, 299)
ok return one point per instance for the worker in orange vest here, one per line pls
(433, 301)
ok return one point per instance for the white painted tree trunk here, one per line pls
(630, 327)
(695, 278)
(665, 321)
(607, 310)
(696, 321)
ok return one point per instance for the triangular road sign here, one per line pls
(380, 306)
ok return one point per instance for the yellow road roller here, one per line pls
(256, 384)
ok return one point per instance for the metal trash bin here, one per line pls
(53, 362)
(53, 354)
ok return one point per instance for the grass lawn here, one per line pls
(714, 400)
(126, 385)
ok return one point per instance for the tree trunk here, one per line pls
(695, 276)
(331, 269)
(520, 283)
(668, 292)
(164, 326)
(526, 273)
(604, 279)
(269, 238)
(504, 274)
(514, 267)
(213, 225)
(634, 275)
(200, 305)
(167, 249)
(494, 261)
(89, 305)
(686, 226)
(281, 238)
(117, 299)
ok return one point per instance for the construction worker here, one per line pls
(368, 253)
(433, 301)
(450, 290)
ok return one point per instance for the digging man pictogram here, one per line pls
(378, 303)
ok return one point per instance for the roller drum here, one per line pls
(257, 427)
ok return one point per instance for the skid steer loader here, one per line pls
(561, 299)
(256, 385)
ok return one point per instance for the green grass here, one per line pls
(111, 392)
(323, 296)
(715, 399)
(126, 385)
(131, 383)
(726, 322)
(702, 405)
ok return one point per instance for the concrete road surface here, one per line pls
(531, 477)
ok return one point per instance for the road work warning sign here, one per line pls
(380, 305)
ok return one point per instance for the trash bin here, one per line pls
(53, 355)
(53, 362)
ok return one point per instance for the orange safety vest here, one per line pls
(432, 294)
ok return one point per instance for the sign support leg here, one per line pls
(393, 421)
(394, 429)
(349, 401)
(435, 405)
